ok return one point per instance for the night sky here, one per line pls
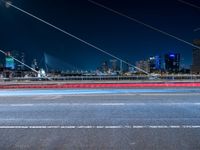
(113, 33)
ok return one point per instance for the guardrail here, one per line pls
(106, 78)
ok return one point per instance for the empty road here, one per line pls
(141, 119)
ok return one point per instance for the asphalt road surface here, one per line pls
(119, 119)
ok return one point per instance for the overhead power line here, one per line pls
(73, 36)
(142, 23)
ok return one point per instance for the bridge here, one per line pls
(100, 112)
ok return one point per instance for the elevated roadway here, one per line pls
(142, 119)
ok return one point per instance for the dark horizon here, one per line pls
(113, 33)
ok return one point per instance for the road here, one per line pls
(141, 119)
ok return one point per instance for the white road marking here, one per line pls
(46, 97)
(19, 105)
(133, 143)
(98, 104)
(167, 94)
(49, 96)
(102, 127)
(14, 119)
(130, 94)
(99, 92)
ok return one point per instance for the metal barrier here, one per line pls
(107, 78)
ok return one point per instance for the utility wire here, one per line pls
(142, 23)
(73, 36)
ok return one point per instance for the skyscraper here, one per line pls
(114, 65)
(22, 59)
(172, 62)
(16, 55)
(9, 61)
(144, 65)
(104, 67)
(34, 64)
(195, 68)
(155, 64)
(16, 65)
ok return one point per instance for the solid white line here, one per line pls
(70, 104)
(98, 104)
(46, 95)
(18, 105)
(102, 127)
(14, 119)
(168, 94)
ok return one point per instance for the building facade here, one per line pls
(114, 65)
(144, 65)
(172, 62)
(155, 64)
(195, 68)
(9, 62)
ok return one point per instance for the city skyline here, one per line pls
(168, 63)
(111, 32)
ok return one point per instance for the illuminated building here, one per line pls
(114, 66)
(155, 64)
(34, 64)
(144, 65)
(104, 67)
(9, 62)
(172, 62)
